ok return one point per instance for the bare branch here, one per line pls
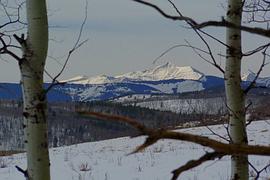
(76, 46)
(253, 83)
(4, 50)
(248, 119)
(10, 20)
(214, 63)
(258, 49)
(190, 23)
(177, 46)
(228, 132)
(24, 172)
(175, 18)
(258, 172)
(222, 23)
(155, 135)
(216, 134)
(194, 163)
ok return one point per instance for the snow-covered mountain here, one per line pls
(102, 79)
(261, 81)
(162, 72)
(161, 80)
(164, 79)
(107, 91)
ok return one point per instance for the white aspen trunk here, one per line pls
(234, 93)
(34, 98)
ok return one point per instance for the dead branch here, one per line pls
(249, 120)
(253, 83)
(258, 172)
(156, 134)
(77, 45)
(175, 18)
(228, 132)
(198, 31)
(194, 163)
(196, 25)
(257, 11)
(214, 62)
(178, 46)
(24, 172)
(4, 50)
(7, 27)
(153, 135)
(10, 20)
(216, 134)
(258, 49)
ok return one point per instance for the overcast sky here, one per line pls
(126, 36)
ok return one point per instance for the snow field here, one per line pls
(109, 159)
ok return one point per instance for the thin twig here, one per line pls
(156, 134)
(76, 46)
(253, 83)
(197, 31)
(258, 172)
(24, 172)
(177, 46)
(222, 23)
(216, 134)
(194, 163)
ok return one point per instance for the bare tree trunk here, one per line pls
(234, 93)
(35, 104)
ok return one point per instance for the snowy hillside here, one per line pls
(108, 160)
(162, 72)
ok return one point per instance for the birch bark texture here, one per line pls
(234, 93)
(35, 105)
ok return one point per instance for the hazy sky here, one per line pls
(126, 36)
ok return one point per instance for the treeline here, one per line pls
(67, 127)
(214, 92)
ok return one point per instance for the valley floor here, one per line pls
(109, 159)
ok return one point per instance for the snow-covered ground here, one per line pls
(109, 159)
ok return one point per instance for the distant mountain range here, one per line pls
(163, 79)
(163, 72)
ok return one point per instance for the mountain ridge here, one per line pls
(166, 79)
(161, 72)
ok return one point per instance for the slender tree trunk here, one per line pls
(234, 93)
(35, 104)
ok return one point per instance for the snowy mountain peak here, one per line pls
(76, 79)
(265, 81)
(164, 72)
(161, 72)
(248, 76)
(102, 79)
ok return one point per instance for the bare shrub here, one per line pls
(84, 167)
(3, 162)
